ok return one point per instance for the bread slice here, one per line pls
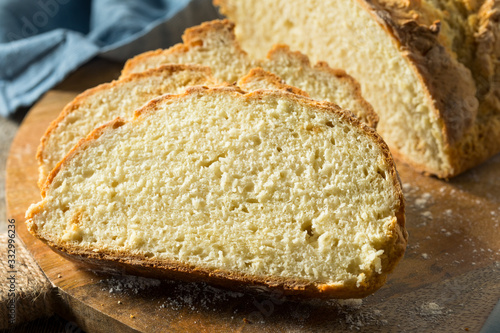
(107, 101)
(121, 98)
(258, 78)
(429, 68)
(213, 44)
(266, 188)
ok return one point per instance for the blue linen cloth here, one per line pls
(42, 41)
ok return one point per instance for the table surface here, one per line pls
(8, 129)
(448, 278)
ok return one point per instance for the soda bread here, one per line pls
(121, 98)
(429, 68)
(213, 44)
(266, 188)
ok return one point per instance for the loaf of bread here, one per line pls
(121, 98)
(430, 68)
(213, 44)
(266, 188)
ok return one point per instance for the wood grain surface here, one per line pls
(448, 280)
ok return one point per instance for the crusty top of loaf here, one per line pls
(258, 78)
(486, 69)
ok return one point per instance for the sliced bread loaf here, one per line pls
(430, 68)
(267, 188)
(121, 98)
(213, 44)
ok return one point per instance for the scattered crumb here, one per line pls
(423, 200)
(132, 316)
(246, 321)
(59, 275)
(119, 302)
(129, 283)
(431, 309)
(198, 295)
(414, 246)
(427, 214)
(425, 256)
(352, 302)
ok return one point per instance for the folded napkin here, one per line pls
(42, 41)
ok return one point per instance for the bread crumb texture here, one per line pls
(263, 184)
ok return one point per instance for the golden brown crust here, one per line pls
(271, 79)
(484, 140)
(486, 66)
(168, 69)
(165, 268)
(193, 37)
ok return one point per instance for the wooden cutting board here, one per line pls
(448, 280)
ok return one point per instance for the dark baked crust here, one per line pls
(193, 37)
(133, 263)
(483, 141)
